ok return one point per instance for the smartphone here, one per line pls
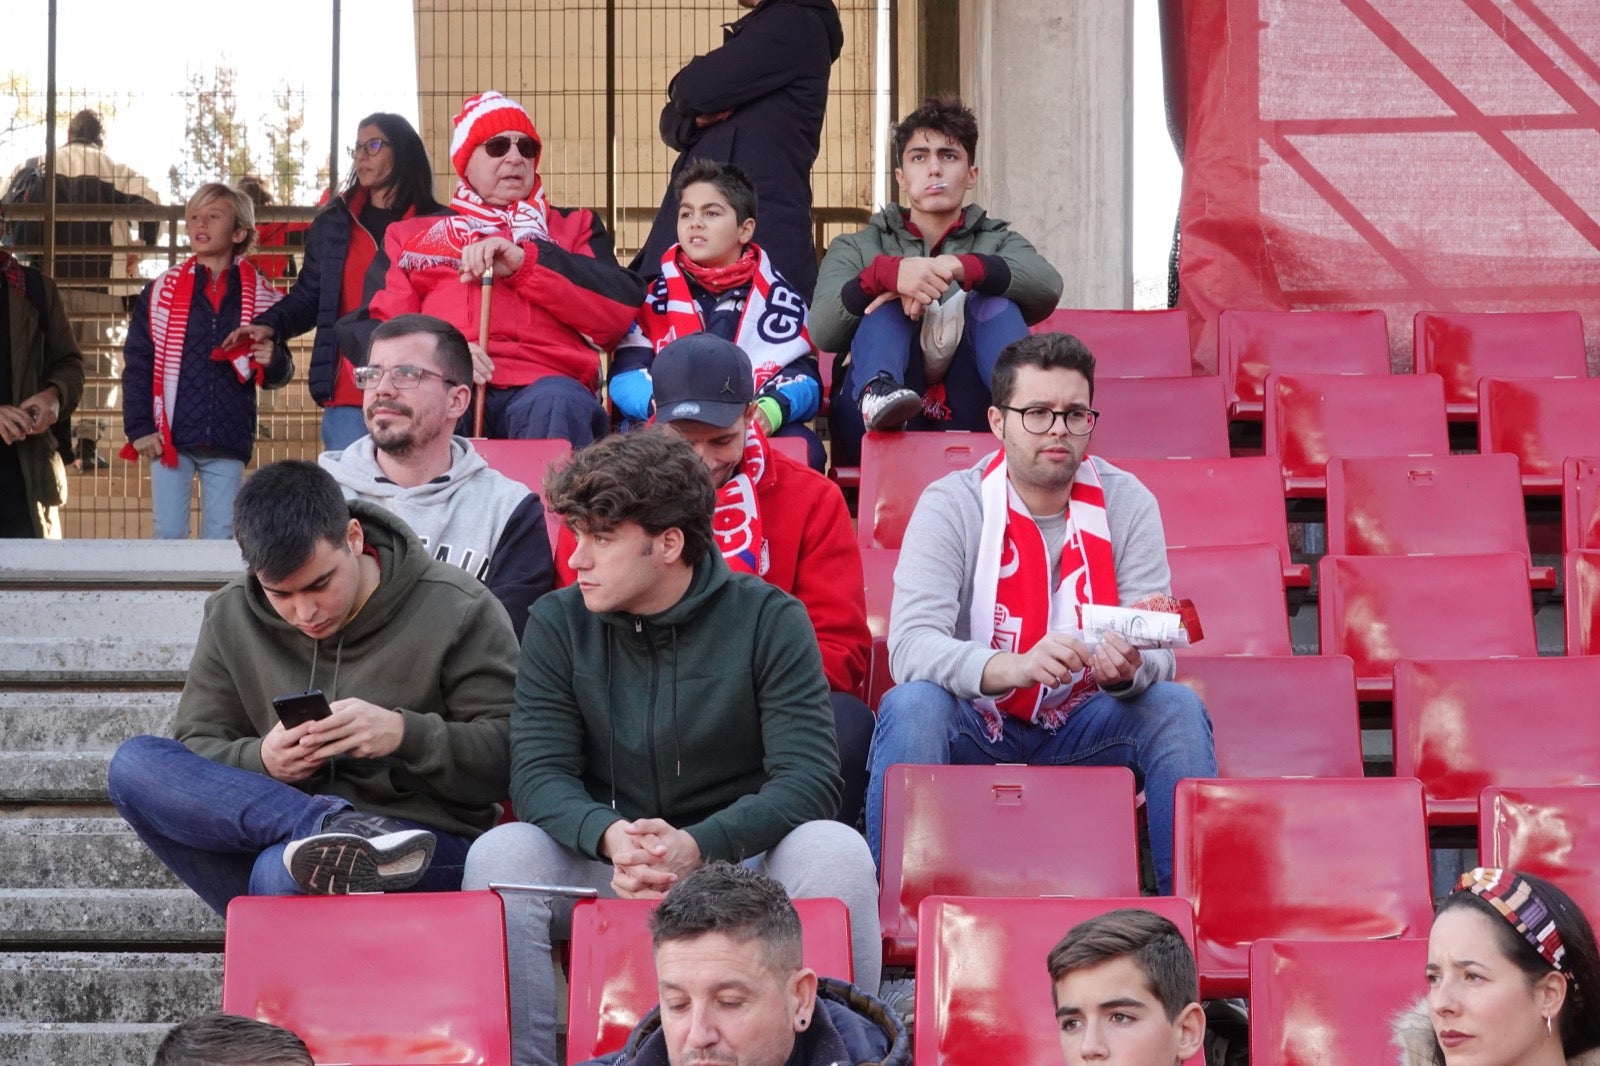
(301, 707)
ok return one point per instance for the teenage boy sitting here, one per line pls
(925, 297)
(188, 404)
(717, 280)
(1126, 992)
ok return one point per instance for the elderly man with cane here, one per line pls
(558, 295)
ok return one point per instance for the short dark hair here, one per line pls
(449, 343)
(737, 902)
(729, 179)
(229, 1040)
(282, 511)
(86, 128)
(941, 113)
(1044, 351)
(411, 176)
(1148, 940)
(651, 477)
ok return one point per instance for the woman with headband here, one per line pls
(1513, 979)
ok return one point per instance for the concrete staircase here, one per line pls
(101, 949)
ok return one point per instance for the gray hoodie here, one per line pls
(471, 517)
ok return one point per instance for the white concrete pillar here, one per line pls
(1051, 82)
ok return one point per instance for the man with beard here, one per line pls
(416, 384)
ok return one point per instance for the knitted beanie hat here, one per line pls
(483, 116)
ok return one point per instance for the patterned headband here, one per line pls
(1513, 898)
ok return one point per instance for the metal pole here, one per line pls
(50, 144)
(611, 118)
(333, 125)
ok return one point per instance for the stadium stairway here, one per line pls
(101, 949)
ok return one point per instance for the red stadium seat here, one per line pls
(1580, 503)
(1127, 344)
(399, 978)
(1209, 503)
(527, 461)
(1380, 609)
(983, 991)
(1582, 592)
(1541, 421)
(1463, 725)
(1279, 715)
(613, 976)
(879, 679)
(1330, 1002)
(1253, 344)
(896, 467)
(1238, 592)
(1315, 859)
(1438, 505)
(1552, 833)
(1313, 418)
(1160, 418)
(999, 831)
(793, 447)
(878, 564)
(1462, 347)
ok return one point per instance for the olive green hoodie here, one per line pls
(432, 643)
(712, 714)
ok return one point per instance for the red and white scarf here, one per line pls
(736, 523)
(169, 322)
(442, 243)
(772, 328)
(1016, 601)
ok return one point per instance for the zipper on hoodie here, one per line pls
(650, 717)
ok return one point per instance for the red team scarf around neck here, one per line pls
(736, 523)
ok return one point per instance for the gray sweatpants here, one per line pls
(816, 859)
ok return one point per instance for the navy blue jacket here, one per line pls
(213, 409)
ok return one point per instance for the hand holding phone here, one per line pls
(299, 708)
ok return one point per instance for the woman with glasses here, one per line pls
(390, 180)
(557, 295)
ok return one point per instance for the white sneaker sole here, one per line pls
(336, 864)
(895, 412)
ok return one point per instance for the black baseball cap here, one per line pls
(702, 378)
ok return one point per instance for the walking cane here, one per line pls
(483, 339)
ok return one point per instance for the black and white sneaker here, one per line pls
(887, 404)
(358, 852)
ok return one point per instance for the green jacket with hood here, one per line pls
(712, 714)
(432, 643)
(1035, 285)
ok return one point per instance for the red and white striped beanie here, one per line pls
(483, 116)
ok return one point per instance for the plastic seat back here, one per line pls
(1380, 609)
(878, 564)
(1541, 421)
(613, 975)
(1580, 503)
(896, 467)
(1582, 593)
(1127, 344)
(1238, 593)
(1461, 726)
(1279, 715)
(1552, 833)
(527, 461)
(399, 978)
(1160, 418)
(1313, 418)
(1311, 859)
(1253, 344)
(1330, 1002)
(1437, 505)
(1209, 503)
(1000, 831)
(1462, 347)
(983, 990)
(792, 447)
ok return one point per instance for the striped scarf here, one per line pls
(442, 243)
(1016, 601)
(736, 522)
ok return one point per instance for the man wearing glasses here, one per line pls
(983, 633)
(414, 389)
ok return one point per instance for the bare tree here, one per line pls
(217, 140)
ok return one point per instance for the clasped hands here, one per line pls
(920, 281)
(648, 856)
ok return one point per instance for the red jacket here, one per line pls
(812, 555)
(567, 289)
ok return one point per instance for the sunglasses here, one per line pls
(496, 147)
(372, 147)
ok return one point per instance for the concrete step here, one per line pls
(55, 1043)
(98, 851)
(145, 563)
(108, 988)
(78, 721)
(30, 916)
(53, 776)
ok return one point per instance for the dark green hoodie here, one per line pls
(432, 643)
(712, 714)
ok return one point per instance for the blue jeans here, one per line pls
(1163, 735)
(552, 408)
(220, 478)
(222, 830)
(342, 426)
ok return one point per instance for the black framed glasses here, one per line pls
(1041, 420)
(527, 147)
(403, 377)
(371, 146)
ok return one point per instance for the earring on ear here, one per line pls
(1549, 1027)
(801, 1023)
